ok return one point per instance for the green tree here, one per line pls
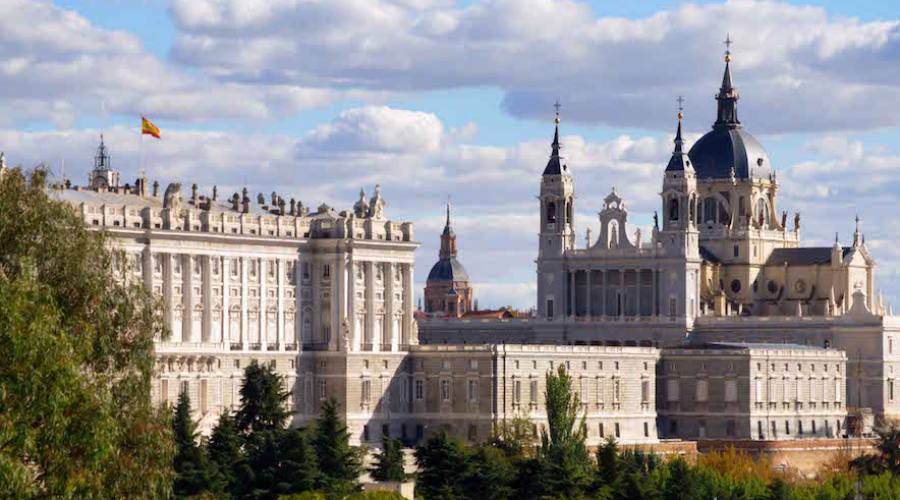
(515, 437)
(491, 474)
(389, 461)
(443, 468)
(339, 463)
(224, 450)
(298, 468)
(565, 465)
(262, 400)
(194, 474)
(76, 358)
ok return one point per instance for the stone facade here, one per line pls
(752, 391)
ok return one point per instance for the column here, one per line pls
(263, 304)
(244, 294)
(208, 300)
(369, 334)
(603, 292)
(226, 303)
(187, 294)
(588, 310)
(279, 298)
(316, 324)
(655, 305)
(339, 301)
(168, 289)
(407, 337)
(620, 302)
(637, 286)
(391, 336)
(571, 279)
(351, 305)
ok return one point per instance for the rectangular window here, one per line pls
(731, 391)
(517, 391)
(646, 429)
(533, 392)
(645, 391)
(758, 397)
(729, 428)
(305, 268)
(673, 390)
(550, 308)
(204, 390)
(164, 390)
(702, 391)
(445, 390)
(366, 391)
(890, 390)
(618, 434)
(326, 271)
(600, 430)
(322, 392)
(473, 391)
(673, 307)
(837, 390)
(616, 387)
(420, 390)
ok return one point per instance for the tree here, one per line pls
(76, 358)
(193, 472)
(443, 468)
(887, 458)
(491, 474)
(298, 469)
(262, 400)
(224, 450)
(339, 463)
(515, 437)
(389, 461)
(565, 465)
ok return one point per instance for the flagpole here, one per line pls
(141, 131)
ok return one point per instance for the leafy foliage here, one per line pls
(76, 358)
(262, 400)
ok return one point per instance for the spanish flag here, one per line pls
(147, 127)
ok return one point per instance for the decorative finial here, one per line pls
(557, 105)
(728, 43)
(836, 241)
(448, 209)
(680, 102)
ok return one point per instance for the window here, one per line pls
(673, 307)
(890, 390)
(600, 430)
(533, 392)
(645, 391)
(445, 390)
(550, 308)
(729, 428)
(702, 391)
(787, 427)
(366, 391)
(473, 364)
(473, 432)
(420, 390)
(616, 386)
(321, 388)
(551, 212)
(673, 209)
(304, 267)
(517, 391)
(731, 391)
(646, 429)
(473, 391)
(326, 271)
(673, 390)
(758, 397)
(618, 434)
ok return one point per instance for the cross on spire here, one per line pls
(728, 43)
(680, 102)
(557, 105)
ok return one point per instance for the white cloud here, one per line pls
(610, 70)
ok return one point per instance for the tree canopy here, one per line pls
(76, 358)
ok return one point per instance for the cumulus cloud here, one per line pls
(57, 66)
(607, 70)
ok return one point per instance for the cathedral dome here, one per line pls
(448, 269)
(722, 148)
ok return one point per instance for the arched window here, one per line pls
(673, 209)
(569, 211)
(551, 212)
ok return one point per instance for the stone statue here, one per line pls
(784, 220)
(376, 205)
(637, 237)
(172, 197)
(194, 193)
(796, 221)
(345, 334)
(588, 237)
(260, 199)
(655, 220)
(293, 206)
(155, 188)
(215, 193)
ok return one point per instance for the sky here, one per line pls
(431, 99)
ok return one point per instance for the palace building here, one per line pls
(719, 324)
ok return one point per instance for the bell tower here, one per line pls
(557, 230)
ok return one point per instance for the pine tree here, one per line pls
(339, 463)
(224, 450)
(389, 461)
(262, 400)
(491, 475)
(443, 468)
(193, 473)
(298, 468)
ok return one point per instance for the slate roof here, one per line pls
(448, 269)
(803, 256)
(708, 256)
(715, 153)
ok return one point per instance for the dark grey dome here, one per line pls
(725, 147)
(448, 269)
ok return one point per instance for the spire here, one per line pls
(679, 160)
(554, 166)
(448, 238)
(728, 95)
(101, 161)
(856, 233)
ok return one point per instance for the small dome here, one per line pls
(722, 148)
(448, 269)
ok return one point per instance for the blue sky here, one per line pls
(433, 98)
